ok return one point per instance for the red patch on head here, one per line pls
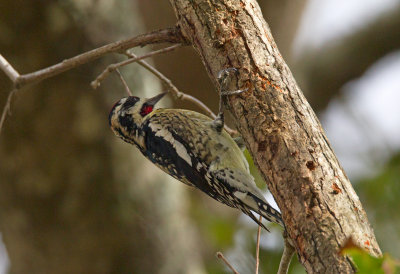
(146, 109)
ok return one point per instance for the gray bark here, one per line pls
(283, 17)
(319, 206)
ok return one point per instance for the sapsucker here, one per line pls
(194, 149)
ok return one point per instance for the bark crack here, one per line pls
(316, 252)
(281, 131)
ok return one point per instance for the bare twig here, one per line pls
(177, 93)
(258, 246)
(8, 69)
(287, 255)
(13, 75)
(163, 78)
(221, 256)
(6, 108)
(127, 89)
(186, 97)
(96, 83)
(170, 35)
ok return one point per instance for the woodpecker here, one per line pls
(193, 149)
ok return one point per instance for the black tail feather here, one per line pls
(251, 215)
(267, 211)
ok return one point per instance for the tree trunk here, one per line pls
(319, 206)
(284, 18)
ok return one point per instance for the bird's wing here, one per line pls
(223, 174)
(247, 194)
(198, 134)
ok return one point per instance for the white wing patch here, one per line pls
(179, 148)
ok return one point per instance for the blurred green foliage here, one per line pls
(254, 171)
(383, 191)
(366, 264)
(380, 198)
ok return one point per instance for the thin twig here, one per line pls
(200, 104)
(169, 35)
(127, 89)
(288, 251)
(258, 246)
(221, 256)
(6, 108)
(177, 93)
(96, 83)
(8, 69)
(13, 75)
(161, 76)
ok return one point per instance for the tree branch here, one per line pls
(222, 257)
(287, 255)
(281, 131)
(179, 94)
(258, 246)
(96, 83)
(8, 69)
(6, 108)
(170, 35)
(127, 89)
(283, 17)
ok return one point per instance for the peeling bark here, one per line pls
(318, 203)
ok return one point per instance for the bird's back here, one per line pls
(196, 131)
(187, 145)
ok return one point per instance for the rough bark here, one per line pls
(196, 80)
(283, 17)
(319, 206)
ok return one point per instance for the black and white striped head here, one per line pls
(128, 114)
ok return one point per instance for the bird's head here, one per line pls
(129, 113)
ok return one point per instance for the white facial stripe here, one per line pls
(166, 135)
(122, 102)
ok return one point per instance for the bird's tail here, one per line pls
(266, 211)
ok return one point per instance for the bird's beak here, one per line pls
(153, 100)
